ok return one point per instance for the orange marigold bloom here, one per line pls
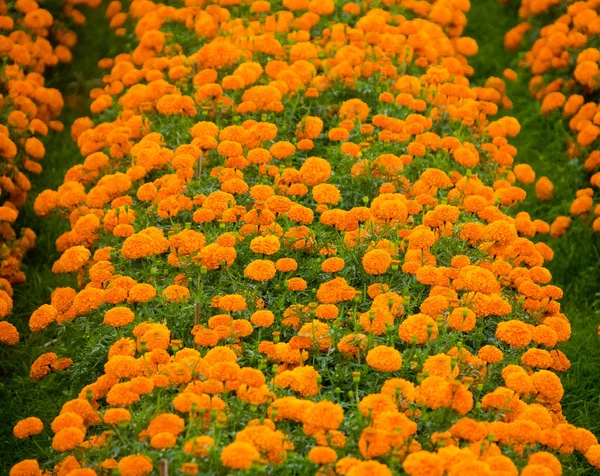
(544, 189)
(376, 261)
(537, 358)
(8, 333)
(72, 260)
(327, 311)
(232, 303)
(309, 127)
(324, 415)
(296, 284)
(462, 319)
(28, 467)
(515, 333)
(326, 194)
(68, 439)
(332, 265)
(167, 422)
(124, 346)
(239, 455)
(28, 427)
(548, 385)
(135, 465)
(141, 292)
(260, 270)
(262, 318)
(524, 173)
(490, 354)
(266, 245)
(115, 416)
(176, 293)
(384, 359)
(370, 467)
(419, 328)
(118, 316)
(42, 317)
(354, 109)
(322, 455)
(150, 241)
(315, 171)
(162, 441)
(423, 462)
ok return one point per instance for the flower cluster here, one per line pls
(32, 40)
(295, 231)
(562, 59)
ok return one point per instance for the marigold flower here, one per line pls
(25, 468)
(515, 333)
(365, 468)
(199, 446)
(384, 359)
(322, 455)
(72, 260)
(423, 461)
(315, 171)
(490, 354)
(260, 270)
(135, 465)
(419, 327)
(68, 439)
(324, 415)
(239, 455)
(8, 333)
(266, 245)
(28, 427)
(116, 416)
(593, 455)
(118, 316)
(376, 261)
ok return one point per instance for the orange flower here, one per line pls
(115, 416)
(376, 261)
(266, 245)
(260, 270)
(322, 455)
(239, 455)
(136, 465)
(418, 328)
(28, 427)
(384, 359)
(315, 171)
(118, 316)
(72, 260)
(8, 333)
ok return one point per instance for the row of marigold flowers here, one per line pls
(33, 40)
(560, 40)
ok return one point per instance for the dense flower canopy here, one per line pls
(294, 226)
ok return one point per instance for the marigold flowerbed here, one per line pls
(35, 42)
(294, 234)
(562, 63)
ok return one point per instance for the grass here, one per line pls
(541, 144)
